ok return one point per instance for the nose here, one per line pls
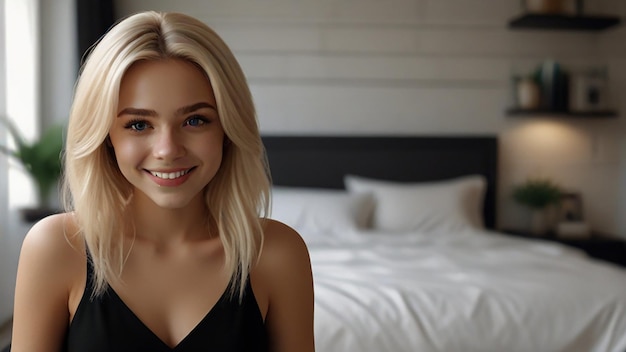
(168, 145)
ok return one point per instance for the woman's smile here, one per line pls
(170, 178)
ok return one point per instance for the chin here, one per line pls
(172, 204)
(171, 199)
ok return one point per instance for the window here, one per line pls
(22, 88)
(19, 70)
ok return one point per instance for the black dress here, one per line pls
(106, 324)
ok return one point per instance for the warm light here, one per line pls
(548, 141)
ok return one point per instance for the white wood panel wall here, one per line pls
(426, 67)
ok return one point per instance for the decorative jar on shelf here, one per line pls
(546, 6)
(528, 94)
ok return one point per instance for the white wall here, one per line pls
(425, 67)
(613, 49)
(59, 61)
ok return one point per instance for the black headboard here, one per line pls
(322, 161)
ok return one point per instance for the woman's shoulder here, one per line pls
(58, 232)
(285, 287)
(47, 274)
(283, 251)
(53, 242)
(282, 240)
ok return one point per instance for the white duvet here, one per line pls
(473, 291)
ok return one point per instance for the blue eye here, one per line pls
(137, 125)
(196, 121)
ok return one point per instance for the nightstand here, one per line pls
(598, 246)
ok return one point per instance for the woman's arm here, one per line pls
(287, 274)
(40, 316)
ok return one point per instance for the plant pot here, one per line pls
(32, 215)
(538, 222)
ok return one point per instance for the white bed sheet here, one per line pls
(473, 291)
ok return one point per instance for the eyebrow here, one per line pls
(152, 113)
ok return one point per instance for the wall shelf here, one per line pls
(604, 114)
(564, 22)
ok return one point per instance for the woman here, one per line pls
(165, 245)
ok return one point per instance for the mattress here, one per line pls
(473, 290)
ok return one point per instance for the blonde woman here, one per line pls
(165, 244)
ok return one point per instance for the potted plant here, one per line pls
(41, 159)
(537, 195)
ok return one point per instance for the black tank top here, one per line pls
(106, 324)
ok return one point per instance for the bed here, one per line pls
(405, 255)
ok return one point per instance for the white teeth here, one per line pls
(169, 175)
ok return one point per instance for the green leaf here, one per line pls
(537, 193)
(51, 142)
(13, 131)
(41, 159)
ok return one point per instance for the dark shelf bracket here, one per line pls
(564, 22)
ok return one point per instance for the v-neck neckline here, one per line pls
(156, 337)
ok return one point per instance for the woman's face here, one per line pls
(167, 136)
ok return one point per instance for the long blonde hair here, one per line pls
(94, 188)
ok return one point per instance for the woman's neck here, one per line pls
(166, 225)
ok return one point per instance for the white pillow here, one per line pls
(320, 210)
(448, 205)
